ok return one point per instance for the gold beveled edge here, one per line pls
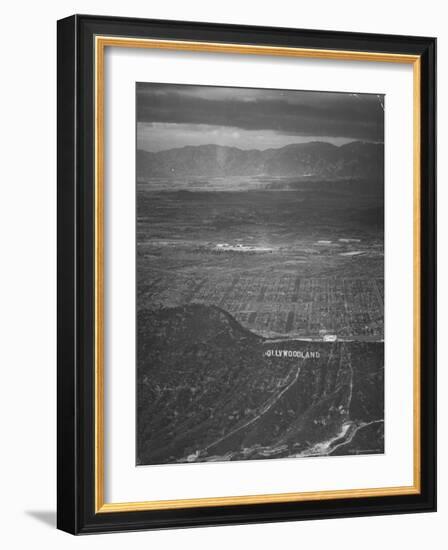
(99, 278)
(417, 271)
(254, 499)
(100, 43)
(284, 51)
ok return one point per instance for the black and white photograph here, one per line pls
(260, 273)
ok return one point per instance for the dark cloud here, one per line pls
(287, 112)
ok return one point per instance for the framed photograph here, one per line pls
(246, 274)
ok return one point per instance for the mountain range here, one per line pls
(357, 159)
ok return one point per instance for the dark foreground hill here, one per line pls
(316, 159)
(208, 389)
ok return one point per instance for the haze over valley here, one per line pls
(260, 274)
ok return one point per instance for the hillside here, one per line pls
(208, 389)
(318, 159)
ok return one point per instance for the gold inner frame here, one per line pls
(101, 42)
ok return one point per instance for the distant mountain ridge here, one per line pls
(357, 159)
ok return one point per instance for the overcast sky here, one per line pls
(171, 115)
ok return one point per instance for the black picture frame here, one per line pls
(76, 511)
